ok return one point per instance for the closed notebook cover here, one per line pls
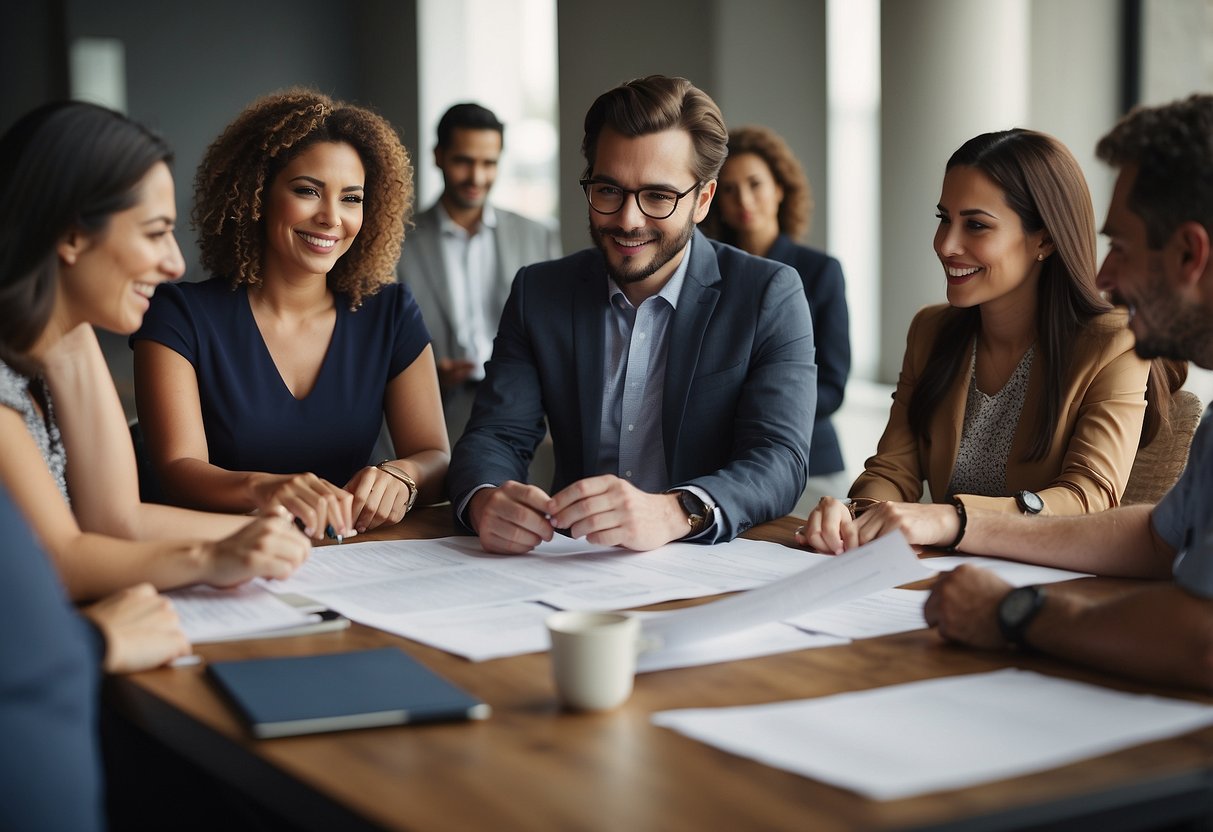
(282, 697)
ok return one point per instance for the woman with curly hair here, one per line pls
(1023, 392)
(763, 206)
(265, 386)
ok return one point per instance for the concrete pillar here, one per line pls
(950, 69)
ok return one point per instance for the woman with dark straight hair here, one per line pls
(86, 235)
(1022, 393)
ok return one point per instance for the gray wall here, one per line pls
(771, 70)
(33, 52)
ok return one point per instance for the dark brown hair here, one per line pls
(796, 209)
(657, 103)
(240, 166)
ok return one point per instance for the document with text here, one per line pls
(207, 613)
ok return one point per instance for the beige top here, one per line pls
(1091, 448)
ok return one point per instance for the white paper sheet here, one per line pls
(476, 633)
(353, 564)
(207, 613)
(1013, 572)
(452, 595)
(905, 740)
(882, 564)
(879, 614)
(377, 581)
(763, 640)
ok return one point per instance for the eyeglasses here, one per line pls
(654, 203)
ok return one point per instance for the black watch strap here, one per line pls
(1017, 610)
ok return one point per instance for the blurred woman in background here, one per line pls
(763, 205)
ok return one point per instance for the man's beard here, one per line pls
(452, 192)
(1174, 328)
(667, 249)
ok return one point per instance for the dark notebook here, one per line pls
(339, 691)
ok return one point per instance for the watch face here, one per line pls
(1030, 502)
(1018, 605)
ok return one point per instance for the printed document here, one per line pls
(209, 614)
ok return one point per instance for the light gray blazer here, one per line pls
(520, 242)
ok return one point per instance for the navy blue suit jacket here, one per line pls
(821, 275)
(738, 397)
(50, 662)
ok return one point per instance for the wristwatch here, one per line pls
(1029, 502)
(699, 513)
(1016, 611)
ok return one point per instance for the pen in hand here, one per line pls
(329, 532)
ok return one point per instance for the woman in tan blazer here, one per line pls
(1023, 392)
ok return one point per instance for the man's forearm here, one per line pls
(1120, 542)
(1159, 634)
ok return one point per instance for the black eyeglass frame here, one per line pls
(586, 183)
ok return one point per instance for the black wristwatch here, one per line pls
(1029, 502)
(1016, 611)
(699, 514)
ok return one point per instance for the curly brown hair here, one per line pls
(796, 210)
(239, 166)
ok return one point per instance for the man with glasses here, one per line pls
(676, 374)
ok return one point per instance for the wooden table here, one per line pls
(533, 766)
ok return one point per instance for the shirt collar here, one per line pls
(488, 219)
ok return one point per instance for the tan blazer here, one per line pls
(1092, 448)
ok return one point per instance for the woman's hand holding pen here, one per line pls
(268, 547)
(318, 504)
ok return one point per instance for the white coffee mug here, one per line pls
(594, 657)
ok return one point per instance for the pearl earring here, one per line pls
(1040, 257)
